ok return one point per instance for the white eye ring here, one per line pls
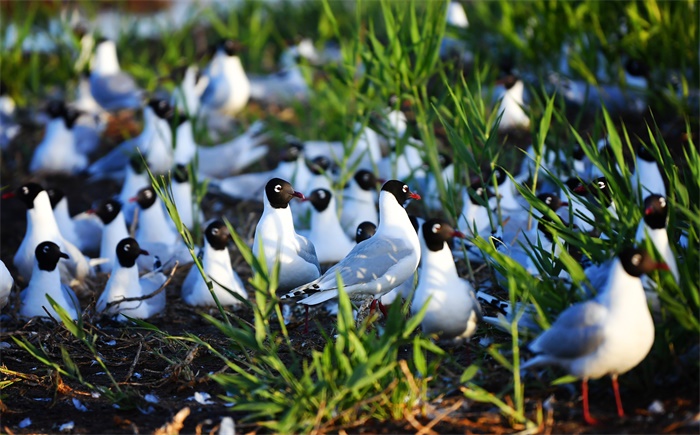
(662, 202)
(636, 259)
(109, 207)
(479, 191)
(405, 188)
(322, 194)
(127, 248)
(601, 185)
(46, 248)
(215, 231)
(548, 200)
(436, 228)
(278, 188)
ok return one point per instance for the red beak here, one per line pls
(662, 266)
(8, 195)
(134, 199)
(414, 195)
(91, 211)
(459, 234)
(564, 204)
(580, 189)
(144, 252)
(299, 195)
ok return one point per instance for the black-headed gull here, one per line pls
(233, 156)
(112, 88)
(359, 201)
(276, 236)
(6, 284)
(46, 280)
(228, 90)
(136, 178)
(377, 265)
(57, 152)
(156, 232)
(125, 283)
(653, 227)
(510, 93)
(327, 236)
(592, 339)
(476, 217)
(452, 308)
(42, 227)
(216, 263)
(84, 230)
(114, 231)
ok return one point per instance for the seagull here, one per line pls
(599, 191)
(405, 289)
(6, 284)
(361, 150)
(653, 227)
(288, 84)
(510, 92)
(8, 126)
(477, 216)
(592, 339)
(113, 232)
(136, 178)
(83, 230)
(181, 188)
(321, 178)
(432, 197)
(327, 236)
(156, 231)
(582, 216)
(647, 178)
(452, 308)
(57, 152)
(112, 88)
(359, 201)
(377, 265)
(186, 96)
(46, 280)
(154, 142)
(125, 283)
(228, 89)
(280, 243)
(42, 227)
(216, 263)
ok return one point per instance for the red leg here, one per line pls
(373, 306)
(586, 414)
(618, 400)
(306, 327)
(382, 308)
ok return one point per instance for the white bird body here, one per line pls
(124, 282)
(511, 108)
(184, 202)
(659, 238)
(276, 236)
(133, 182)
(41, 227)
(110, 86)
(228, 89)
(377, 265)
(83, 230)
(217, 266)
(57, 153)
(359, 205)
(187, 95)
(232, 157)
(6, 284)
(647, 178)
(113, 232)
(47, 282)
(475, 218)
(327, 235)
(452, 309)
(592, 339)
(156, 234)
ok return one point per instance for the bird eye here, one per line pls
(636, 259)
(278, 188)
(322, 194)
(109, 207)
(25, 189)
(548, 201)
(662, 202)
(127, 248)
(359, 231)
(436, 228)
(479, 191)
(215, 231)
(405, 188)
(46, 249)
(601, 185)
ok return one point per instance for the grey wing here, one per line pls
(307, 251)
(116, 91)
(217, 92)
(366, 262)
(578, 331)
(117, 159)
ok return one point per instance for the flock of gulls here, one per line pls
(318, 233)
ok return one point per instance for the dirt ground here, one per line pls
(167, 376)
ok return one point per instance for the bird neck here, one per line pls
(391, 214)
(215, 256)
(327, 220)
(623, 291)
(106, 61)
(41, 216)
(439, 264)
(45, 280)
